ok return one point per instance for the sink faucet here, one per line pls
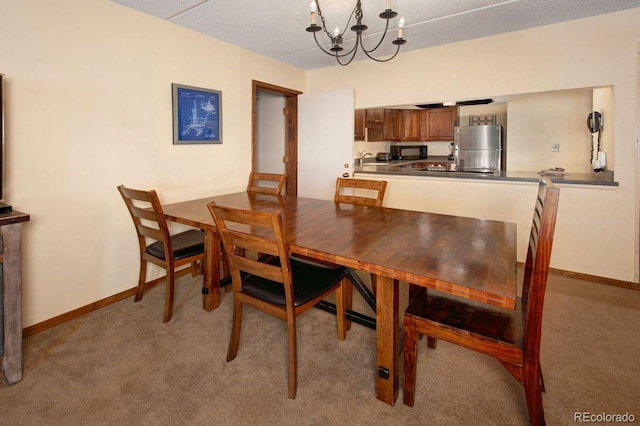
(361, 156)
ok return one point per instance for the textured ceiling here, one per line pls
(276, 28)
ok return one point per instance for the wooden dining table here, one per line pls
(466, 257)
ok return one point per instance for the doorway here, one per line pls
(287, 99)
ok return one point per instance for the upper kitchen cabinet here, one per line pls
(405, 125)
(439, 123)
(392, 124)
(375, 118)
(369, 125)
(360, 116)
(411, 125)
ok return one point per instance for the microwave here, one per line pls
(408, 152)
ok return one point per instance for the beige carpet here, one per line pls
(121, 365)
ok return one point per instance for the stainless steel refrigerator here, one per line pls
(478, 148)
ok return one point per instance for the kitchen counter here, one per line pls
(404, 168)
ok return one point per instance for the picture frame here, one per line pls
(197, 115)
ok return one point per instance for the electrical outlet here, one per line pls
(555, 147)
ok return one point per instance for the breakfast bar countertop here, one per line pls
(403, 168)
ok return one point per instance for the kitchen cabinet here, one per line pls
(374, 123)
(375, 118)
(360, 116)
(374, 135)
(369, 124)
(405, 125)
(438, 123)
(392, 124)
(410, 125)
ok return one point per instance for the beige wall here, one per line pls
(597, 227)
(89, 108)
(538, 121)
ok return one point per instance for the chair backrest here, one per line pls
(379, 186)
(536, 266)
(257, 231)
(256, 177)
(148, 217)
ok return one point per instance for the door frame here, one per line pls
(291, 131)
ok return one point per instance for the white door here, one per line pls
(325, 141)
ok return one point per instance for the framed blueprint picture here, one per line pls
(197, 117)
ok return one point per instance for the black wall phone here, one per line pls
(594, 121)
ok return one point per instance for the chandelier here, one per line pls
(337, 37)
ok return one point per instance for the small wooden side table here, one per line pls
(11, 294)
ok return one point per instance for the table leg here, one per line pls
(387, 349)
(211, 288)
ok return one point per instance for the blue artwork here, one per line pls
(196, 115)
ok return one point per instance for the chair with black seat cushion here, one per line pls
(272, 183)
(274, 283)
(186, 247)
(510, 336)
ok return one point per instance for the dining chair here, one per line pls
(510, 336)
(361, 185)
(375, 188)
(274, 186)
(167, 251)
(274, 283)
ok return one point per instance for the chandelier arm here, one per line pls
(355, 47)
(335, 54)
(383, 60)
(354, 50)
(321, 48)
(379, 43)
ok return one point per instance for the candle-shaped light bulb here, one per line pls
(336, 32)
(313, 9)
(388, 4)
(400, 27)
